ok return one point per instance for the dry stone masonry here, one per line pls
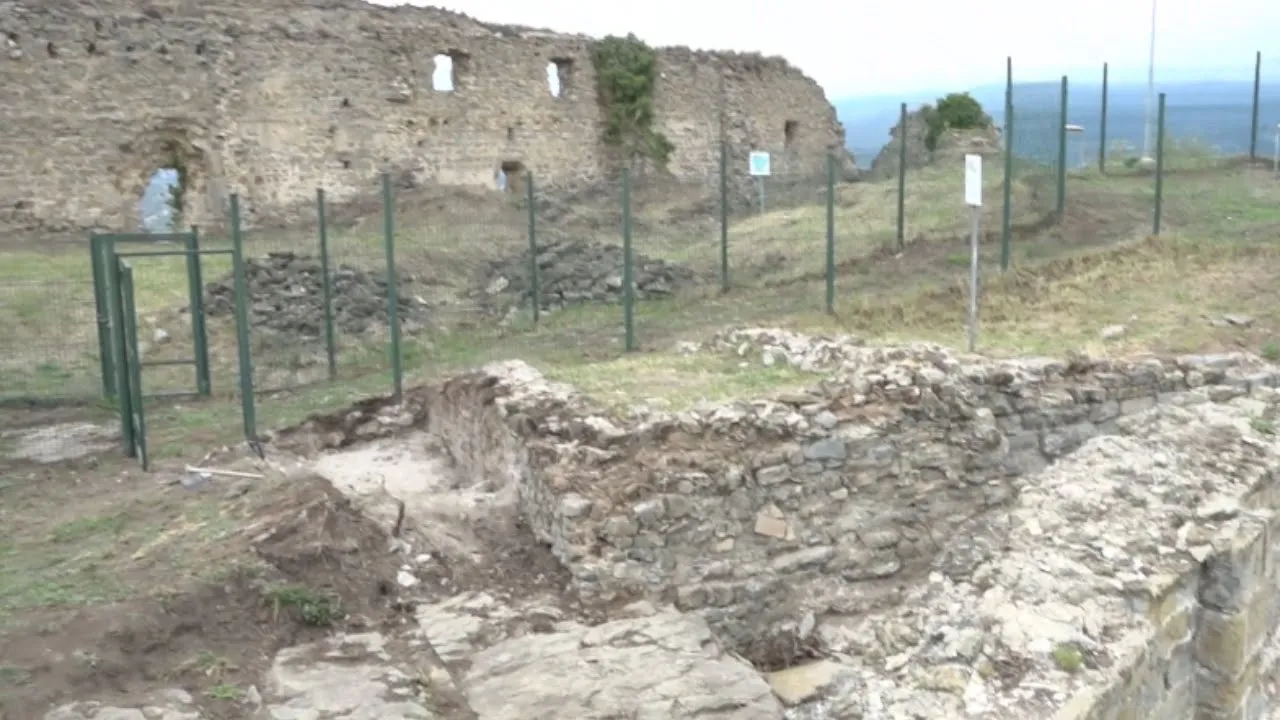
(286, 295)
(274, 99)
(922, 534)
(573, 272)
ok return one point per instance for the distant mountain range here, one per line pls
(1214, 113)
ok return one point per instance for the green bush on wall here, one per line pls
(625, 72)
(957, 111)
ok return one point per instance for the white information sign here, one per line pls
(973, 180)
(758, 164)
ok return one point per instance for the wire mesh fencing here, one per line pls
(50, 352)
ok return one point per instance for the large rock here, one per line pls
(667, 666)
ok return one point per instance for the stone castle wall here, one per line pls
(274, 99)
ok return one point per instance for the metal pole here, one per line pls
(326, 288)
(831, 233)
(1062, 151)
(393, 289)
(628, 282)
(247, 408)
(724, 215)
(1257, 89)
(535, 291)
(1151, 87)
(974, 219)
(200, 336)
(1006, 215)
(1102, 133)
(902, 177)
(1159, 169)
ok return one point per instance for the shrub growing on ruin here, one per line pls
(626, 75)
(957, 111)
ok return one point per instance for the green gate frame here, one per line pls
(103, 250)
(118, 330)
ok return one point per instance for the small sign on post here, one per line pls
(758, 167)
(973, 198)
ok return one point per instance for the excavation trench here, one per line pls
(944, 529)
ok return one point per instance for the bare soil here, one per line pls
(115, 583)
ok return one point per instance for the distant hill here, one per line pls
(1217, 114)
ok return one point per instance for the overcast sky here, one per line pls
(892, 46)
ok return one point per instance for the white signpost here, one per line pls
(1275, 162)
(758, 167)
(973, 198)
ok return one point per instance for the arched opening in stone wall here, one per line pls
(511, 177)
(159, 210)
(442, 78)
(162, 174)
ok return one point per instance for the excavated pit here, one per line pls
(906, 520)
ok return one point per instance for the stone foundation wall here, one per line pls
(943, 524)
(1210, 651)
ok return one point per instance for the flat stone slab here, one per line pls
(667, 666)
(345, 677)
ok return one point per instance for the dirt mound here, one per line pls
(286, 294)
(308, 564)
(573, 272)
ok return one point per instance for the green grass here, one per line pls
(914, 295)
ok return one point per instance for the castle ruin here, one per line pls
(273, 99)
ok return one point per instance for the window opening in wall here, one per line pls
(553, 79)
(510, 176)
(559, 75)
(789, 130)
(161, 206)
(442, 79)
(511, 134)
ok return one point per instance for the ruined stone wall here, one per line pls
(273, 99)
(1082, 539)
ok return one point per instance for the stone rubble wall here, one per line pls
(942, 525)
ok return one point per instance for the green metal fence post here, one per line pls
(628, 279)
(1102, 132)
(831, 233)
(902, 177)
(724, 216)
(393, 289)
(326, 287)
(119, 360)
(248, 408)
(137, 414)
(1159, 167)
(1006, 213)
(199, 333)
(1257, 90)
(535, 289)
(102, 318)
(1062, 151)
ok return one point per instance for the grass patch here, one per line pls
(676, 381)
(305, 605)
